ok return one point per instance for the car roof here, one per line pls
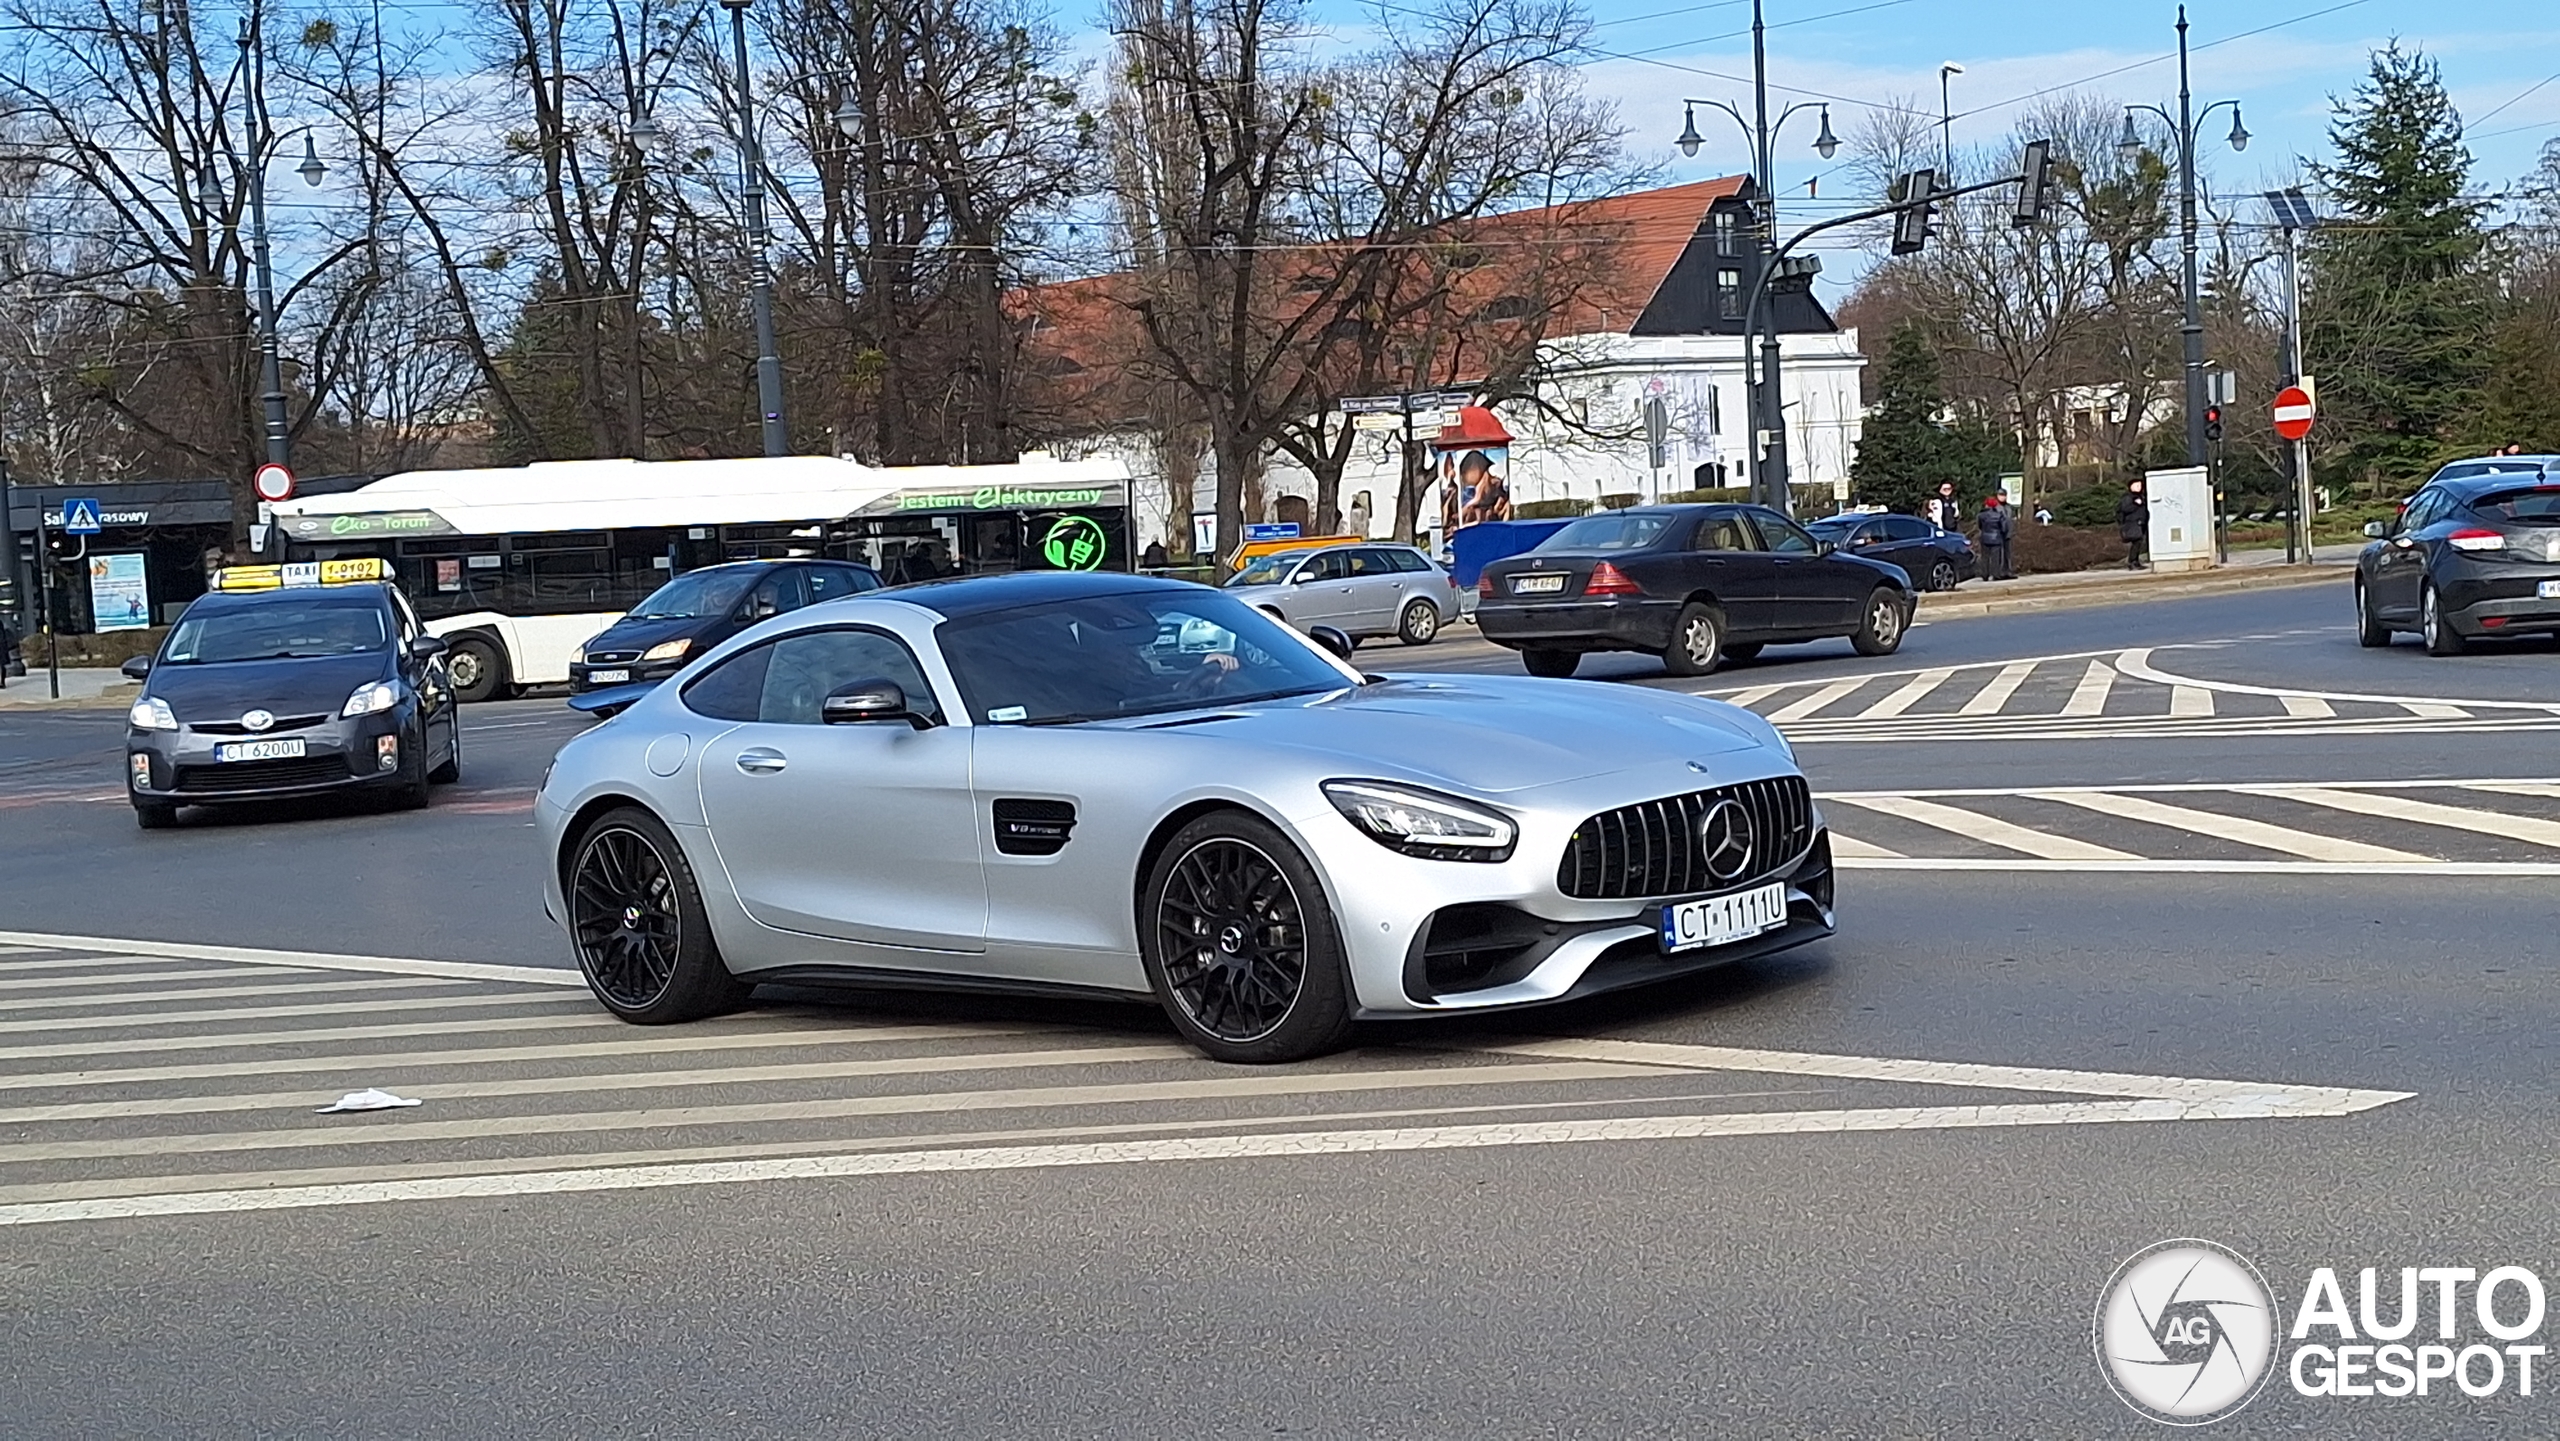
(2510, 471)
(979, 594)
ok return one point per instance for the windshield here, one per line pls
(1132, 654)
(2538, 506)
(698, 596)
(1609, 532)
(275, 632)
(1267, 569)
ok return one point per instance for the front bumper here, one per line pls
(2492, 598)
(635, 676)
(1630, 623)
(339, 753)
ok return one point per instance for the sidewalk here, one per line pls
(2248, 570)
(83, 688)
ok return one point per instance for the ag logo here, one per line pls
(2186, 1332)
(1075, 542)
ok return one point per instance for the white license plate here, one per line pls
(2548, 590)
(1717, 920)
(259, 751)
(1536, 584)
(607, 677)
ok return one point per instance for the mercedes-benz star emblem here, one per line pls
(257, 720)
(1725, 839)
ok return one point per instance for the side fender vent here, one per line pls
(1033, 828)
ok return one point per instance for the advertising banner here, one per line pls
(119, 591)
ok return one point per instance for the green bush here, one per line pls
(2053, 549)
(1550, 509)
(2090, 505)
(113, 647)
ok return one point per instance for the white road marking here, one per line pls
(1985, 828)
(2529, 829)
(2434, 710)
(128, 1045)
(2538, 787)
(52, 982)
(303, 960)
(2090, 696)
(203, 993)
(1851, 848)
(1799, 709)
(2307, 707)
(2234, 828)
(2461, 870)
(1749, 698)
(2136, 664)
(1913, 691)
(261, 1013)
(2187, 700)
(2549, 790)
(1993, 696)
(82, 963)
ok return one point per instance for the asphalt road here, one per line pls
(1740, 1260)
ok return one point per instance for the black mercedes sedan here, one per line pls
(1935, 559)
(2474, 554)
(1694, 584)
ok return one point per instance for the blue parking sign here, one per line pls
(80, 517)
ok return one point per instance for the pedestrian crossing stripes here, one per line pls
(2108, 695)
(165, 1096)
(2481, 827)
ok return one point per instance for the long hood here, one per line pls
(1484, 734)
(287, 687)
(633, 633)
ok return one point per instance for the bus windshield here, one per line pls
(698, 596)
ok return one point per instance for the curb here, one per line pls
(2084, 597)
(114, 698)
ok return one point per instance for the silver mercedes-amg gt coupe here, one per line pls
(1092, 784)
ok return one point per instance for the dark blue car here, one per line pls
(694, 612)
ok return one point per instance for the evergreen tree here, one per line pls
(2398, 289)
(1904, 451)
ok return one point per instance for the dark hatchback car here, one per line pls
(1934, 559)
(2474, 554)
(265, 690)
(1694, 584)
(694, 612)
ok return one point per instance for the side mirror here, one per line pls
(1824, 547)
(2376, 530)
(871, 699)
(136, 668)
(427, 647)
(1334, 642)
(1304, 576)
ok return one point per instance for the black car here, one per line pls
(2475, 553)
(280, 683)
(1934, 559)
(1692, 583)
(694, 612)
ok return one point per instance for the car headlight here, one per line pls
(671, 650)
(372, 699)
(151, 713)
(578, 656)
(1423, 823)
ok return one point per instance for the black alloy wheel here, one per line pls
(1420, 622)
(636, 918)
(2370, 632)
(1697, 641)
(2435, 629)
(1552, 664)
(475, 670)
(1942, 576)
(1241, 948)
(1880, 625)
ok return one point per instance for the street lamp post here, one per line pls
(777, 435)
(1764, 390)
(1947, 122)
(2185, 125)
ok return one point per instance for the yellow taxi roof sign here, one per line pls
(301, 573)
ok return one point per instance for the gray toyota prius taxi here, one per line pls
(291, 680)
(1113, 785)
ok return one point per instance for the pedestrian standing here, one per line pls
(1358, 524)
(2043, 516)
(2133, 524)
(1992, 528)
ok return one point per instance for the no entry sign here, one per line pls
(2293, 412)
(272, 483)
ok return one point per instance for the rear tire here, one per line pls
(2441, 637)
(1881, 625)
(1241, 945)
(1420, 622)
(1748, 650)
(637, 922)
(1942, 576)
(1697, 641)
(2370, 632)
(1552, 664)
(477, 671)
(154, 818)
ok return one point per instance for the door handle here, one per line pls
(761, 761)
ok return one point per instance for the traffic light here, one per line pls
(2213, 423)
(1911, 193)
(1793, 274)
(2035, 185)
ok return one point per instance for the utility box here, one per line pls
(2181, 518)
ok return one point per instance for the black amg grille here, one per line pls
(1652, 849)
(260, 775)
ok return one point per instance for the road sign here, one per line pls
(80, 517)
(2293, 412)
(1377, 420)
(1284, 530)
(272, 483)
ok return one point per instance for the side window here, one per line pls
(809, 665)
(1410, 562)
(831, 582)
(1369, 562)
(775, 594)
(408, 619)
(2429, 508)
(1783, 536)
(1723, 532)
(733, 689)
(1326, 565)
(1904, 527)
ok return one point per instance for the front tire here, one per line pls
(2370, 632)
(1552, 664)
(154, 818)
(1420, 622)
(2441, 637)
(1942, 576)
(637, 921)
(451, 771)
(477, 671)
(1241, 946)
(1881, 625)
(1697, 641)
